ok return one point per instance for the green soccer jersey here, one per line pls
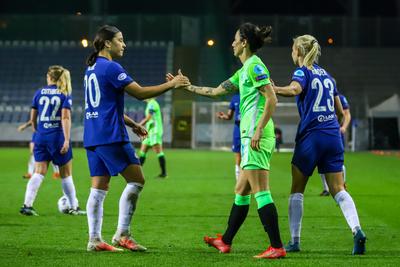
(154, 125)
(248, 79)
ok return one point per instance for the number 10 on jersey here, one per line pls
(92, 91)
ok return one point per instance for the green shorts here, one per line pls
(257, 160)
(153, 139)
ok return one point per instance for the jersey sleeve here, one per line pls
(258, 75)
(235, 79)
(67, 102)
(117, 76)
(152, 109)
(344, 102)
(300, 76)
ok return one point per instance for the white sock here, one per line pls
(94, 209)
(324, 183)
(237, 171)
(344, 173)
(127, 206)
(69, 191)
(55, 168)
(349, 210)
(31, 165)
(295, 215)
(32, 188)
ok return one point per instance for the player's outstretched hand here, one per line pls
(179, 80)
(221, 115)
(140, 131)
(65, 147)
(255, 140)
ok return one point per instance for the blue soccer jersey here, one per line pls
(49, 101)
(104, 84)
(316, 101)
(235, 106)
(343, 100)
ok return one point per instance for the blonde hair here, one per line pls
(309, 49)
(62, 77)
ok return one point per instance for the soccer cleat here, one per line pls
(28, 211)
(272, 253)
(27, 176)
(56, 175)
(128, 242)
(292, 247)
(218, 243)
(100, 245)
(359, 243)
(162, 175)
(324, 193)
(77, 211)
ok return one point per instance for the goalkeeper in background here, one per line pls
(154, 126)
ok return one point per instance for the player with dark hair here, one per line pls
(318, 140)
(106, 140)
(234, 112)
(257, 104)
(51, 120)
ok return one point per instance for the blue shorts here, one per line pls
(343, 140)
(236, 139)
(50, 151)
(33, 137)
(323, 149)
(236, 144)
(110, 159)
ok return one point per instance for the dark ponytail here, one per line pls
(105, 33)
(256, 36)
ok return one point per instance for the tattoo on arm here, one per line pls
(228, 86)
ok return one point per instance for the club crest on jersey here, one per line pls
(299, 73)
(122, 77)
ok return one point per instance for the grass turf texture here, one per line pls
(174, 214)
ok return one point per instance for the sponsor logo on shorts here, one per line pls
(122, 77)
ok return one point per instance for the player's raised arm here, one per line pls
(224, 88)
(293, 89)
(135, 90)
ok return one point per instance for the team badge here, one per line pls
(299, 73)
(122, 77)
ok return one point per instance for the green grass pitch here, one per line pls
(174, 214)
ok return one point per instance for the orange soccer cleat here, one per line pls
(100, 245)
(128, 242)
(218, 243)
(272, 253)
(56, 175)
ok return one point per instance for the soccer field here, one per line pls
(174, 214)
